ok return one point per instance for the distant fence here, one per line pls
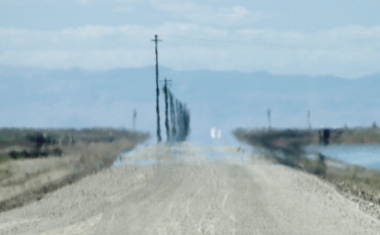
(178, 128)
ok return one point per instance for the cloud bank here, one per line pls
(197, 35)
(350, 51)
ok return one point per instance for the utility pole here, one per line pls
(269, 119)
(167, 109)
(134, 119)
(157, 92)
(308, 119)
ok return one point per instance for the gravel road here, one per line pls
(192, 189)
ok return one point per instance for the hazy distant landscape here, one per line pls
(226, 100)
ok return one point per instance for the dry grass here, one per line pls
(356, 180)
(352, 179)
(26, 180)
(360, 136)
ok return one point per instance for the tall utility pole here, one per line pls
(308, 119)
(269, 119)
(157, 92)
(167, 109)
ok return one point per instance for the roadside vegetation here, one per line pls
(356, 180)
(287, 147)
(359, 136)
(34, 162)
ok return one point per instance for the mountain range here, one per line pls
(224, 100)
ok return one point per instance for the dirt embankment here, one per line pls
(287, 147)
(292, 139)
(25, 180)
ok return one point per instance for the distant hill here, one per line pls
(225, 100)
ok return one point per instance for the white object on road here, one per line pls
(216, 133)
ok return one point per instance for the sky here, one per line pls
(310, 37)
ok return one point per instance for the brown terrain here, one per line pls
(25, 180)
(287, 147)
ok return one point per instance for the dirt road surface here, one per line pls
(191, 189)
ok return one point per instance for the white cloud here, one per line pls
(348, 51)
(205, 14)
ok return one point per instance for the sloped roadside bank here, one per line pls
(354, 182)
(25, 180)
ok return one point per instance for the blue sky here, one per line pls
(333, 37)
